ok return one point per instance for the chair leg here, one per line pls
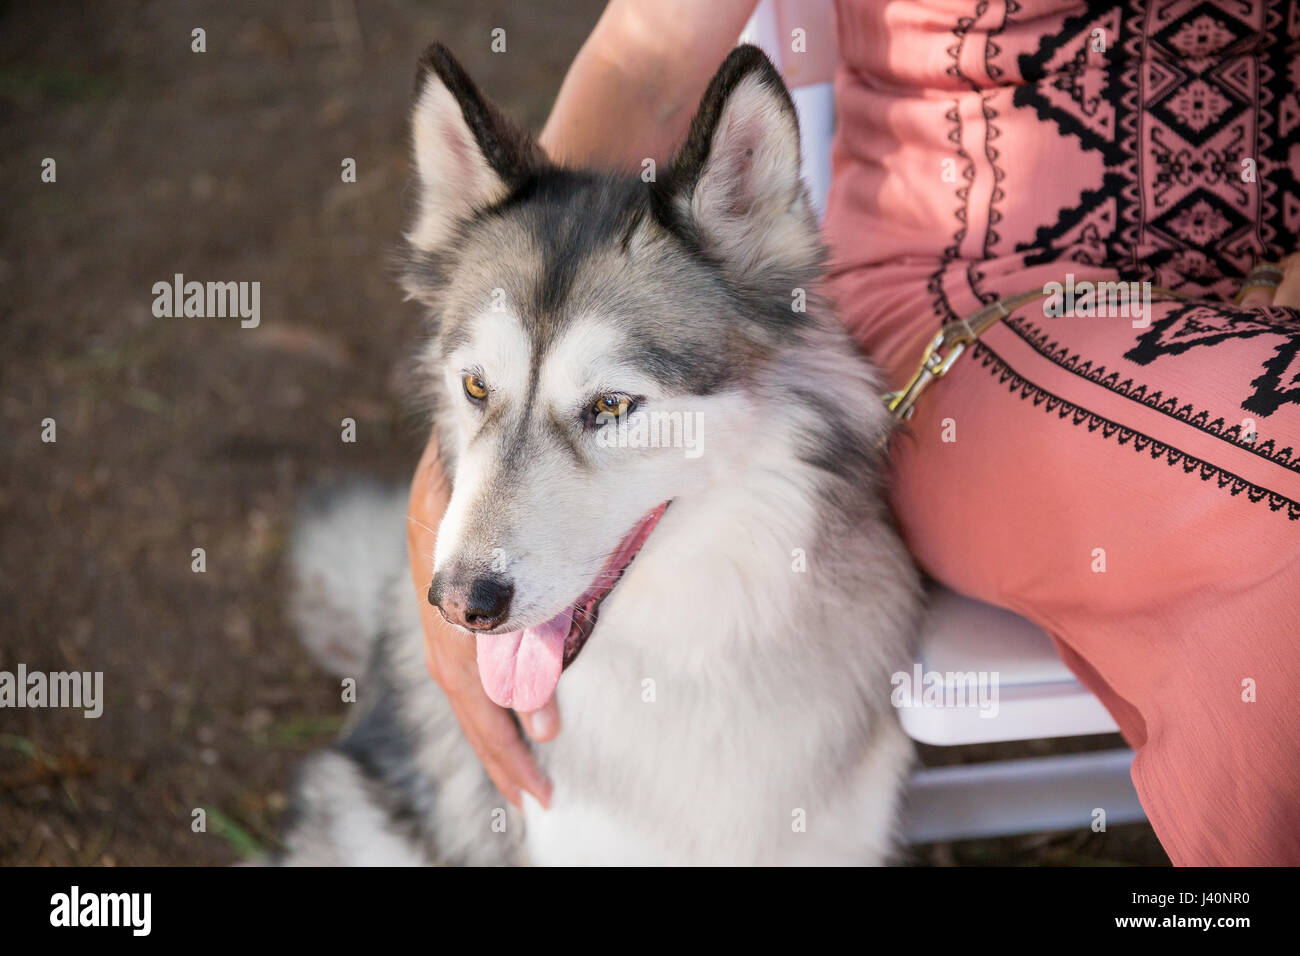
(1005, 797)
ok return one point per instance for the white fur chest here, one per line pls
(704, 723)
(662, 762)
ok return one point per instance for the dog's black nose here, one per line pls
(483, 605)
(489, 603)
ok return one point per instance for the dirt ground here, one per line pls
(176, 434)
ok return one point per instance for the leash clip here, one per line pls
(951, 340)
(939, 355)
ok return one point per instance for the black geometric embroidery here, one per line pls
(1055, 77)
(996, 195)
(1198, 326)
(1181, 96)
(1042, 343)
(934, 285)
(1174, 457)
(1207, 230)
(991, 48)
(1089, 231)
(1279, 370)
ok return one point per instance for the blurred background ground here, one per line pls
(174, 434)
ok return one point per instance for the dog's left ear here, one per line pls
(734, 185)
(467, 155)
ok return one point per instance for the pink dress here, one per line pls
(1131, 482)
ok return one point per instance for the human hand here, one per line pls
(1273, 284)
(451, 656)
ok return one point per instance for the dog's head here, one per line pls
(596, 340)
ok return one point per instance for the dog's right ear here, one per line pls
(467, 155)
(734, 186)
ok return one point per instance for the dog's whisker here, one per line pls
(417, 521)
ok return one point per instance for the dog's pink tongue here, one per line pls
(520, 669)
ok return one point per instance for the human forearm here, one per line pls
(634, 86)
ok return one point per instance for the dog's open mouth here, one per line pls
(520, 669)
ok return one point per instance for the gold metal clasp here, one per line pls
(947, 346)
(951, 341)
(944, 349)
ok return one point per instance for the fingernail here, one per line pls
(542, 723)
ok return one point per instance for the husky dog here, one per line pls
(719, 622)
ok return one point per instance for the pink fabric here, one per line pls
(986, 148)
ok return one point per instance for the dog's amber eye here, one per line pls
(613, 405)
(475, 388)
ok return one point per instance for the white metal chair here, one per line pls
(1037, 695)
